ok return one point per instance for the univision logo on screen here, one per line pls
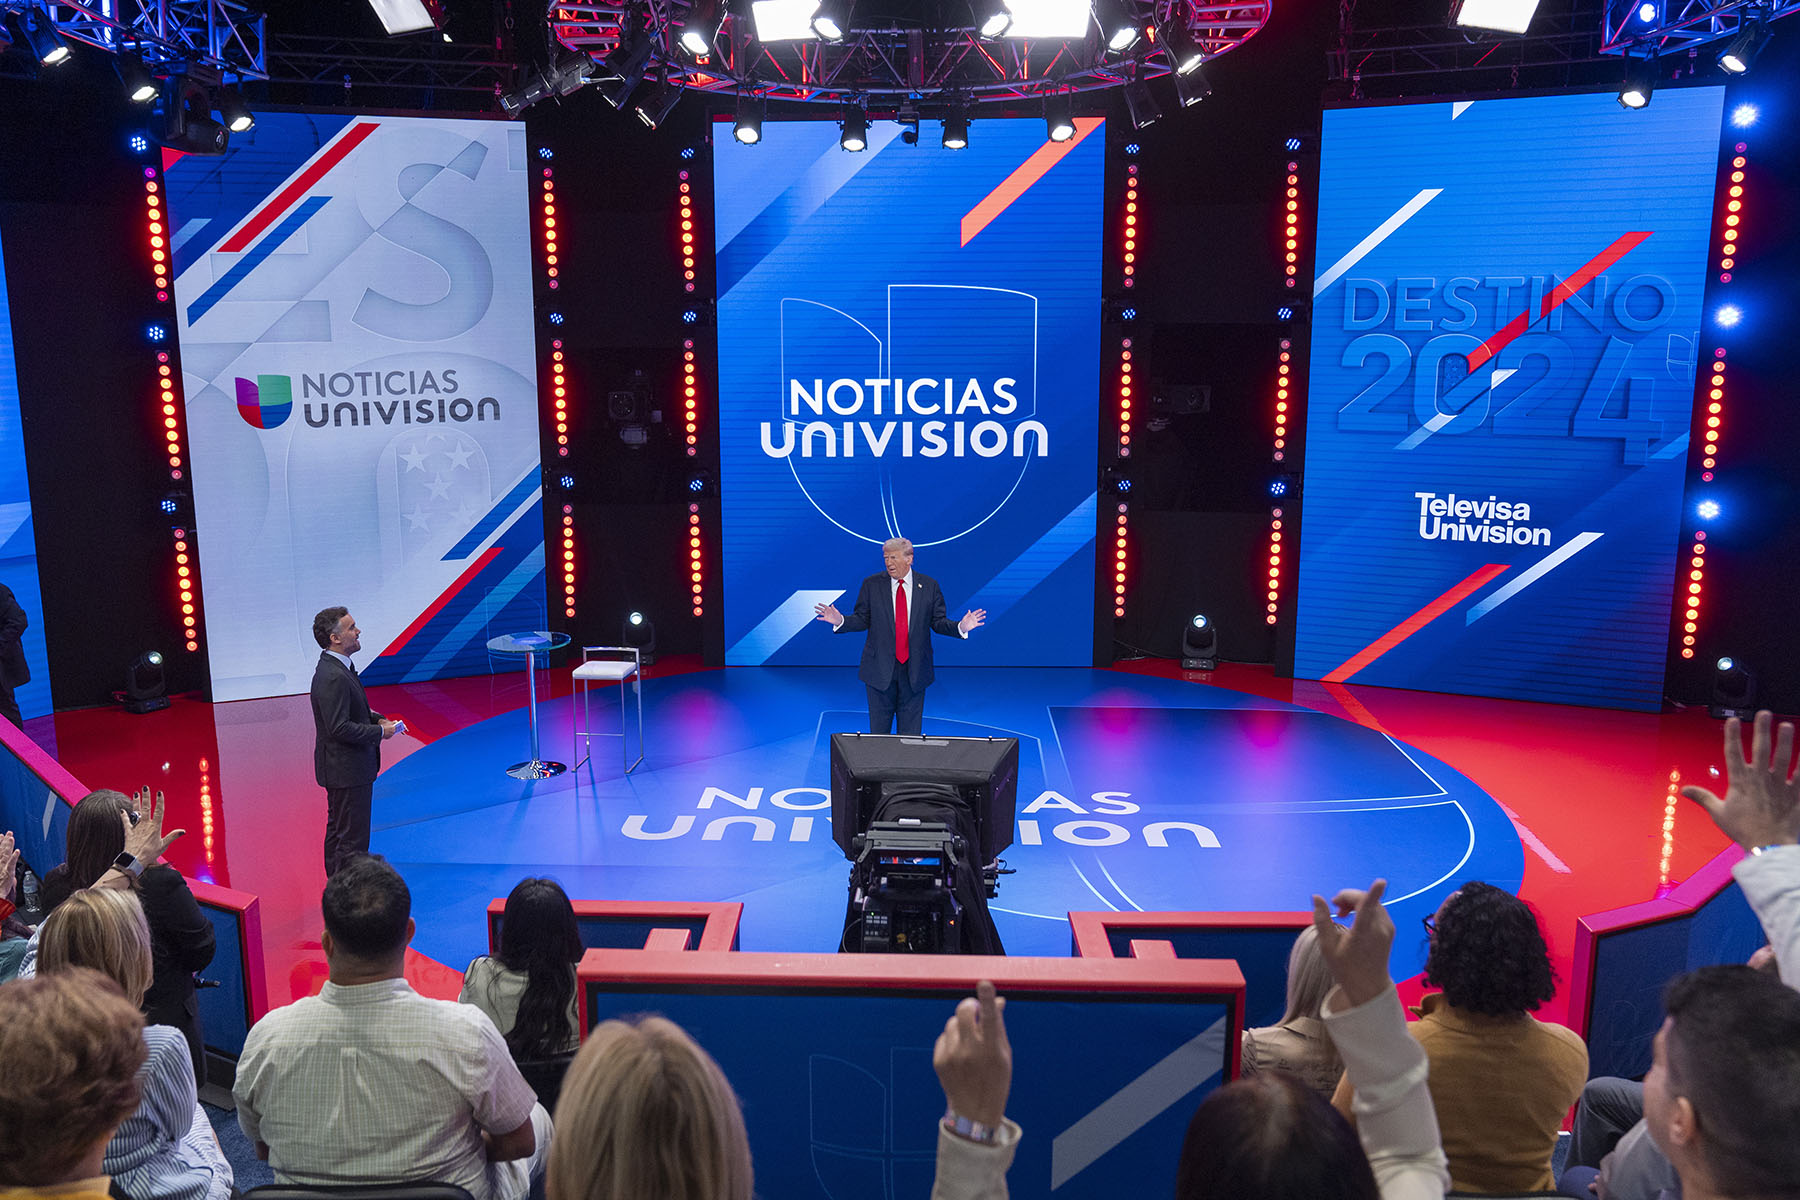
(368, 398)
(265, 402)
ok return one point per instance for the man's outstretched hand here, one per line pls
(829, 614)
(1761, 805)
(975, 618)
(9, 865)
(1357, 956)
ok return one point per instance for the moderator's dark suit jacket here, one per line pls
(347, 751)
(874, 612)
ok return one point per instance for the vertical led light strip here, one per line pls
(1128, 259)
(1671, 802)
(206, 812)
(1284, 371)
(169, 405)
(690, 386)
(559, 375)
(1710, 419)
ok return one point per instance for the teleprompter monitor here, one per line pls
(984, 771)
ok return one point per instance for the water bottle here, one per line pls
(29, 891)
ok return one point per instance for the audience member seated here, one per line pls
(369, 1082)
(181, 938)
(646, 1114)
(1298, 1042)
(1501, 1080)
(71, 1048)
(165, 1150)
(528, 989)
(1269, 1137)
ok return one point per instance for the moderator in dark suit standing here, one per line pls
(13, 670)
(900, 610)
(347, 752)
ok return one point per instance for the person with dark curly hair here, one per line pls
(1501, 1080)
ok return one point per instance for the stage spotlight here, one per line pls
(1500, 16)
(409, 16)
(1733, 691)
(570, 72)
(956, 129)
(855, 135)
(1192, 88)
(783, 20)
(535, 88)
(183, 119)
(46, 44)
(145, 688)
(1639, 83)
(1648, 12)
(1117, 25)
(655, 108)
(1284, 486)
(748, 126)
(1185, 52)
(1744, 115)
(831, 20)
(1141, 104)
(138, 143)
(626, 63)
(1728, 316)
(140, 85)
(1707, 509)
(234, 112)
(1199, 644)
(1743, 49)
(638, 632)
(992, 18)
(1059, 120)
(702, 26)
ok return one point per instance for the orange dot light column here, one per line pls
(169, 405)
(1709, 418)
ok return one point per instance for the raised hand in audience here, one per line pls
(144, 841)
(973, 1059)
(1357, 956)
(1761, 805)
(9, 865)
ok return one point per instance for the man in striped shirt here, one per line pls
(370, 1082)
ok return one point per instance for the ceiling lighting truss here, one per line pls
(1685, 25)
(222, 34)
(884, 66)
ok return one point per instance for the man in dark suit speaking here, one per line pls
(347, 754)
(900, 610)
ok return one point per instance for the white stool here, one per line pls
(610, 670)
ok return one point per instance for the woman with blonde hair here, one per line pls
(166, 1150)
(646, 1113)
(1299, 1042)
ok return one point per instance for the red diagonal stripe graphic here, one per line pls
(1023, 177)
(1554, 298)
(437, 606)
(1413, 624)
(285, 199)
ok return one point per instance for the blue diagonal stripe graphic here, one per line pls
(521, 491)
(779, 627)
(253, 257)
(1061, 543)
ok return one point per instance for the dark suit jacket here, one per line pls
(13, 622)
(874, 612)
(348, 750)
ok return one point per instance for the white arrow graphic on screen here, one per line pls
(1361, 250)
(1544, 566)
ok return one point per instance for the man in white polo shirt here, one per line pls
(370, 1082)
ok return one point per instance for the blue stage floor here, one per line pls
(1125, 785)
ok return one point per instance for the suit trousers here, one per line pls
(897, 700)
(346, 824)
(9, 705)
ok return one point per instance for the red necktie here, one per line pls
(900, 649)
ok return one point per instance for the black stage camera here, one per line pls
(923, 821)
